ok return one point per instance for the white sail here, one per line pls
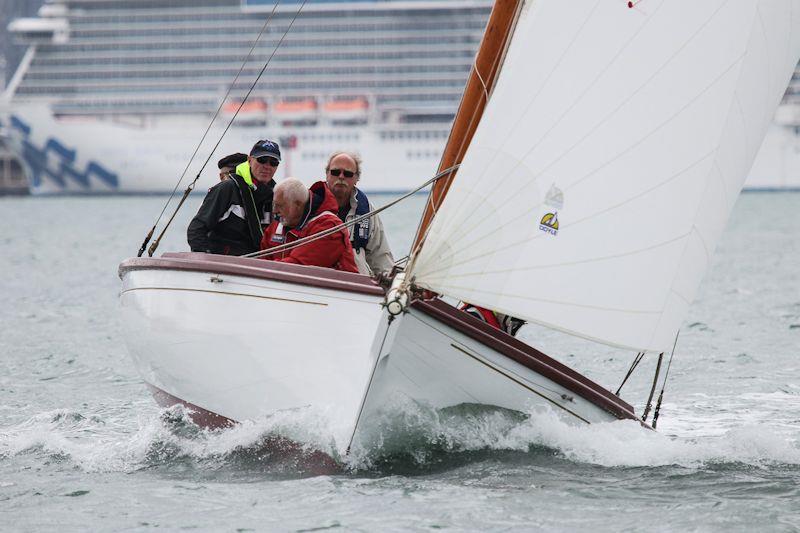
(608, 160)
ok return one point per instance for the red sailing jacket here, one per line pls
(332, 251)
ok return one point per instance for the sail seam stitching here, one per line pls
(585, 219)
(573, 263)
(672, 289)
(541, 88)
(604, 120)
(570, 304)
(620, 154)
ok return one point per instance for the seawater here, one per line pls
(84, 447)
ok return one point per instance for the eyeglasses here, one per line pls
(335, 172)
(267, 160)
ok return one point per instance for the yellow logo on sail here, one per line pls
(549, 223)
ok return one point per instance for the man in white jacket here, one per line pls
(370, 246)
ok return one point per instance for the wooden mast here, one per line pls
(483, 76)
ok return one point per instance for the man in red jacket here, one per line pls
(300, 212)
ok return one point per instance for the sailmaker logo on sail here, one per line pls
(549, 223)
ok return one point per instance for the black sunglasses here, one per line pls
(336, 171)
(265, 159)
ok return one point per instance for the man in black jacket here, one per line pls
(235, 211)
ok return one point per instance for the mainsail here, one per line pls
(608, 160)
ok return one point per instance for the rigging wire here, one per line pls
(189, 189)
(325, 233)
(402, 261)
(153, 246)
(664, 384)
(258, 78)
(203, 138)
(636, 361)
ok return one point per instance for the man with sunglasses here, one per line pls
(371, 248)
(235, 211)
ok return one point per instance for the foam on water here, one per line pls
(412, 432)
(613, 444)
(626, 443)
(168, 438)
(82, 442)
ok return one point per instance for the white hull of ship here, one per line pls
(245, 348)
(149, 154)
(777, 166)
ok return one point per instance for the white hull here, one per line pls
(244, 347)
(426, 361)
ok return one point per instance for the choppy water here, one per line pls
(82, 445)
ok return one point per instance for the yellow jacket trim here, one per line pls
(243, 169)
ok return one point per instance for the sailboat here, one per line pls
(596, 155)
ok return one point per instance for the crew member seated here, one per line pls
(299, 212)
(235, 211)
(369, 242)
(506, 323)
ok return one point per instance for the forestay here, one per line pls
(608, 160)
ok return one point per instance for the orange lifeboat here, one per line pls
(347, 110)
(252, 112)
(296, 112)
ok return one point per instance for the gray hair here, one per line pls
(352, 155)
(293, 190)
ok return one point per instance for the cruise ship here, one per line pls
(114, 96)
(777, 166)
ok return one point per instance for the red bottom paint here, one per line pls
(314, 462)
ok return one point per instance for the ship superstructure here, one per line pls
(108, 85)
(777, 166)
(114, 95)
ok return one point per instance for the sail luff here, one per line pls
(486, 67)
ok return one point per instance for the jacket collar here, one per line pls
(243, 170)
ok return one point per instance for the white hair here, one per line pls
(293, 190)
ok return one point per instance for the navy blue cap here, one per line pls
(266, 147)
